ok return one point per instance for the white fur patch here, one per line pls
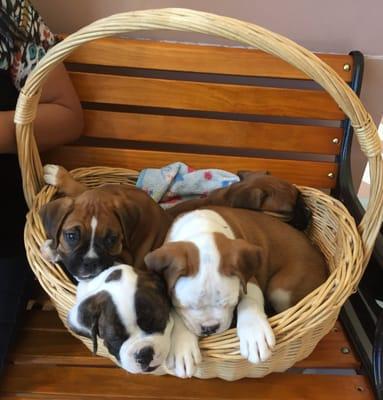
(280, 299)
(192, 224)
(50, 174)
(91, 253)
(256, 338)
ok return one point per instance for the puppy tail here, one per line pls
(302, 215)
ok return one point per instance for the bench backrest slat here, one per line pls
(150, 103)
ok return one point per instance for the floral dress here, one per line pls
(24, 39)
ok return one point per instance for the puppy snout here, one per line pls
(209, 329)
(90, 268)
(90, 263)
(144, 357)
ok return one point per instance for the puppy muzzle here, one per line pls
(146, 354)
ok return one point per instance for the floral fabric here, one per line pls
(24, 39)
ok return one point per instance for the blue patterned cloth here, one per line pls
(178, 182)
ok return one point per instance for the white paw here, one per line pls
(48, 253)
(51, 174)
(256, 339)
(184, 354)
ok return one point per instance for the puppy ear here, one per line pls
(83, 319)
(99, 316)
(53, 215)
(151, 302)
(89, 315)
(174, 260)
(128, 215)
(94, 332)
(251, 199)
(248, 174)
(302, 215)
(245, 260)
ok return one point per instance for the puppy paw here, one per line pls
(256, 340)
(184, 355)
(54, 174)
(47, 252)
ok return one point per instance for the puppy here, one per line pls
(89, 230)
(208, 259)
(258, 191)
(130, 311)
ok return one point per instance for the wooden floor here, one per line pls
(46, 362)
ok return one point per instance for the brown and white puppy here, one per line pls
(89, 230)
(128, 309)
(258, 191)
(208, 259)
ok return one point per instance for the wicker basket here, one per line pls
(346, 247)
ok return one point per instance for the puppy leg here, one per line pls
(279, 290)
(256, 337)
(280, 298)
(48, 252)
(59, 177)
(184, 352)
(296, 280)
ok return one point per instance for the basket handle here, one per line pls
(240, 31)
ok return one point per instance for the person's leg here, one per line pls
(15, 274)
(15, 282)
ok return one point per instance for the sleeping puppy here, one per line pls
(130, 311)
(258, 191)
(208, 259)
(89, 230)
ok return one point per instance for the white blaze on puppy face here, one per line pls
(91, 252)
(206, 301)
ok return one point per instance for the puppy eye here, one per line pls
(72, 237)
(111, 240)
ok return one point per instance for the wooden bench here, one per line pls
(46, 362)
(147, 104)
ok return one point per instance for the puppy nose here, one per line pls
(144, 357)
(90, 263)
(209, 330)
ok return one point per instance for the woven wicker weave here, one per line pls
(346, 247)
